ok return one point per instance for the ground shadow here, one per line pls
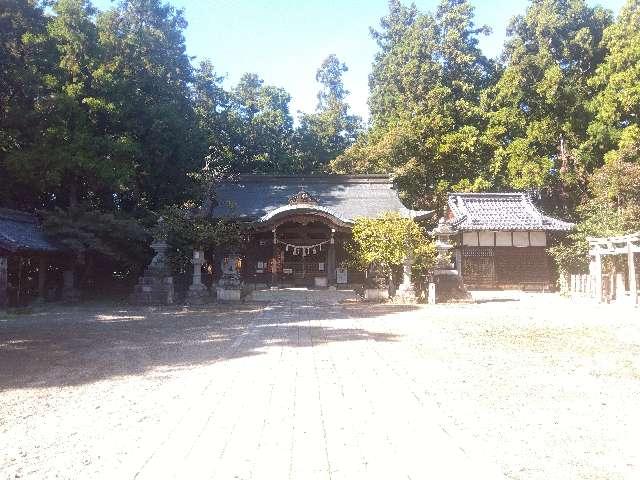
(496, 300)
(76, 345)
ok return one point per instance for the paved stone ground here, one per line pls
(522, 387)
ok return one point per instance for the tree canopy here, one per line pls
(104, 112)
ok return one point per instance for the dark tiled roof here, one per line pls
(22, 232)
(500, 211)
(256, 197)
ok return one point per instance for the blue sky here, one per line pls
(284, 41)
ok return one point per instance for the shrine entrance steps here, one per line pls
(304, 296)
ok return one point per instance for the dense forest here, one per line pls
(105, 121)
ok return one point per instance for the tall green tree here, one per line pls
(264, 127)
(538, 108)
(614, 133)
(27, 56)
(146, 74)
(331, 129)
(425, 87)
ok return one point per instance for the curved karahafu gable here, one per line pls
(262, 199)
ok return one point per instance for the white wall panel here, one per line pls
(520, 239)
(538, 239)
(503, 239)
(470, 239)
(486, 239)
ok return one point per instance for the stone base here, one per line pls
(198, 295)
(71, 294)
(376, 294)
(405, 294)
(229, 295)
(449, 288)
(153, 290)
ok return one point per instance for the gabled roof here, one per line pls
(500, 211)
(259, 198)
(22, 232)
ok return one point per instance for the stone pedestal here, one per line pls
(448, 287)
(376, 288)
(155, 286)
(230, 285)
(198, 293)
(69, 291)
(376, 294)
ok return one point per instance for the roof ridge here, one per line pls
(323, 178)
(18, 216)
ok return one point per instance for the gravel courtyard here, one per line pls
(518, 387)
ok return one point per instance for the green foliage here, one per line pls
(426, 118)
(385, 242)
(87, 232)
(186, 231)
(537, 110)
(323, 135)
(615, 129)
(614, 209)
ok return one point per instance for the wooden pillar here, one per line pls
(633, 287)
(596, 274)
(331, 260)
(274, 264)
(42, 278)
(4, 282)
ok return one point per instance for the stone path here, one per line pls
(310, 410)
(525, 389)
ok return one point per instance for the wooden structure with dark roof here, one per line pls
(301, 223)
(21, 236)
(503, 239)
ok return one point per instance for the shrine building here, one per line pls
(502, 240)
(300, 224)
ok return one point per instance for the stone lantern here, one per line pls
(155, 286)
(198, 292)
(447, 284)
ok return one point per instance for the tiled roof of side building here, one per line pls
(257, 197)
(22, 232)
(500, 211)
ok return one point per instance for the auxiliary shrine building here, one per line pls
(300, 224)
(502, 240)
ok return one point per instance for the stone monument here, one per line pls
(198, 292)
(406, 292)
(155, 286)
(447, 284)
(230, 285)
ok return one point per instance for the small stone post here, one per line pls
(43, 265)
(69, 291)
(198, 293)
(4, 281)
